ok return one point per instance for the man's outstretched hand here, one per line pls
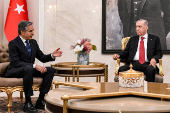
(57, 53)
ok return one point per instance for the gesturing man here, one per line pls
(143, 51)
(22, 52)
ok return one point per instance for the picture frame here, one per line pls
(105, 39)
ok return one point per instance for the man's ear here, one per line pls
(22, 32)
(147, 27)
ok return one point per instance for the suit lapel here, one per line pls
(149, 44)
(136, 40)
(129, 3)
(22, 46)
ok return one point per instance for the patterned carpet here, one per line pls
(17, 105)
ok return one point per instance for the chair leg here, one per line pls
(9, 94)
(21, 96)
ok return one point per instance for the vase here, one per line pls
(82, 58)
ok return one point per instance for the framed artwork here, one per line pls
(119, 19)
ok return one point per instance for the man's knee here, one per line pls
(150, 69)
(28, 69)
(50, 70)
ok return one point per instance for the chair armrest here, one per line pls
(3, 67)
(160, 68)
(117, 67)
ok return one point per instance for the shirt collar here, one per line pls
(145, 36)
(23, 40)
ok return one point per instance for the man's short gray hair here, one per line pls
(23, 26)
(145, 21)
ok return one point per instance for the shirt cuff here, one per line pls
(52, 56)
(34, 65)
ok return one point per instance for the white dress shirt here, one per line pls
(136, 57)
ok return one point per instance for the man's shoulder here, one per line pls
(152, 35)
(33, 41)
(14, 40)
(134, 37)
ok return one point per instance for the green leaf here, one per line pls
(94, 47)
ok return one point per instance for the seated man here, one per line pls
(143, 51)
(22, 53)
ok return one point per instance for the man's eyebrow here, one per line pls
(31, 30)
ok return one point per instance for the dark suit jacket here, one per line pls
(151, 10)
(154, 49)
(19, 56)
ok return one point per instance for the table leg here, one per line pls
(77, 74)
(97, 78)
(106, 73)
(65, 79)
(73, 74)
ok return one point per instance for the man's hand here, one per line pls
(115, 56)
(153, 62)
(57, 53)
(42, 69)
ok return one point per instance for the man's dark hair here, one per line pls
(23, 26)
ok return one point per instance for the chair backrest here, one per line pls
(124, 42)
(4, 53)
(4, 58)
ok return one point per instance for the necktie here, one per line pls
(28, 48)
(142, 51)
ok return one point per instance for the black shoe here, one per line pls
(40, 104)
(29, 108)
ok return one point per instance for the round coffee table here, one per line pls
(71, 69)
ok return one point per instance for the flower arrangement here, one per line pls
(83, 45)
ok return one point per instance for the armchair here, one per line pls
(10, 85)
(158, 78)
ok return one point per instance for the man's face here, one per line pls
(28, 34)
(141, 28)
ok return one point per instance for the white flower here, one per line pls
(78, 48)
(79, 41)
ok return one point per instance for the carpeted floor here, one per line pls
(17, 105)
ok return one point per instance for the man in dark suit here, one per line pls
(156, 12)
(22, 53)
(145, 59)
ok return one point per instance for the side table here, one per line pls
(71, 69)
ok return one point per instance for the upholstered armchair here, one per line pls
(158, 78)
(10, 85)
